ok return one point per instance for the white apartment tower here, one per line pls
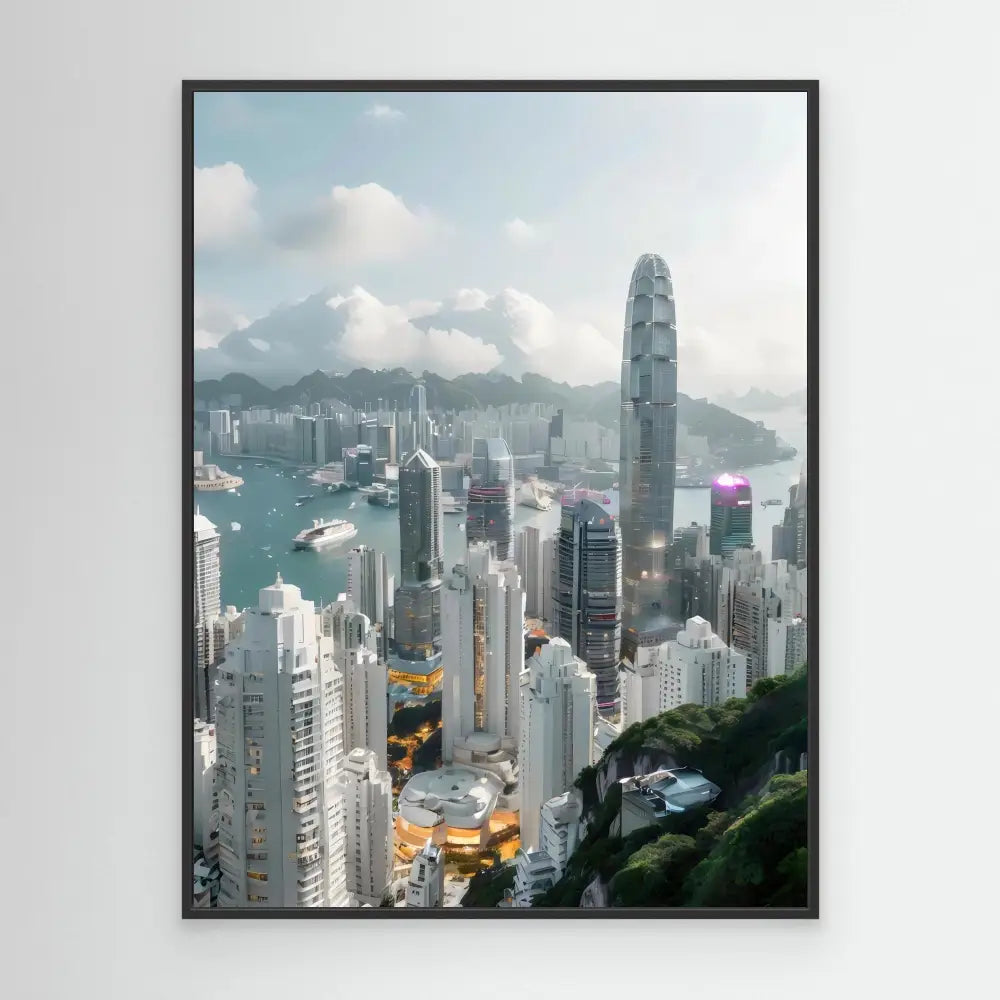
(699, 668)
(558, 706)
(482, 626)
(279, 732)
(425, 886)
(206, 800)
(368, 815)
(639, 685)
(366, 679)
(530, 546)
(206, 610)
(370, 588)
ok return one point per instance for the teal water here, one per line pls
(265, 510)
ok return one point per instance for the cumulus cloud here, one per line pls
(376, 335)
(472, 331)
(383, 112)
(523, 234)
(223, 204)
(359, 224)
(213, 320)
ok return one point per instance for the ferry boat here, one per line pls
(299, 501)
(449, 505)
(324, 535)
(529, 495)
(572, 497)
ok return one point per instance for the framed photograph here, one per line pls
(501, 599)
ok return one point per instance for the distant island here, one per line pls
(733, 440)
(756, 400)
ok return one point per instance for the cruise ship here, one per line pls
(324, 535)
(449, 505)
(529, 495)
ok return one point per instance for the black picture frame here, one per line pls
(811, 89)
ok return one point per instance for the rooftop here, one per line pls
(673, 791)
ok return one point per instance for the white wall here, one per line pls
(90, 206)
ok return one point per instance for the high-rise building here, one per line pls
(534, 873)
(425, 886)
(365, 678)
(754, 604)
(558, 708)
(787, 647)
(586, 599)
(368, 813)
(698, 668)
(482, 611)
(279, 733)
(732, 515)
(560, 828)
(206, 799)
(421, 542)
(491, 496)
(420, 433)
(639, 685)
(529, 554)
(370, 588)
(648, 452)
(789, 539)
(220, 426)
(207, 578)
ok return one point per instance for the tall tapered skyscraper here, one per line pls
(421, 543)
(648, 453)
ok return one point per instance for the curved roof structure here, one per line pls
(454, 796)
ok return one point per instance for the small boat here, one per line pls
(258, 465)
(233, 490)
(351, 505)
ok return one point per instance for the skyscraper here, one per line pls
(370, 589)
(586, 592)
(365, 678)
(558, 701)
(206, 611)
(529, 547)
(732, 515)
(279, 735)
(421, 531)
(368, 814)
(482, 610)
(491, 496)
(418, 415)
(789, 539)
(648, 452)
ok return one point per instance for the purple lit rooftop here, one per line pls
(728, 481)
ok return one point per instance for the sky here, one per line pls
(459, 232)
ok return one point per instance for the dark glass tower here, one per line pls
(648, 453)
(421, 561)
(732, 515)
(586, 592)
(491, 496)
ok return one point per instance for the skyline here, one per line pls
(320, 217)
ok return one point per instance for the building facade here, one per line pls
(648, 451)
(207, 581)
(558, 711)
(367, 794)
(698, 668)
(529, 549)
(732, 515)
(586, 593)
(490, 507)
(279, 733)
(483, 650)
(425, 886)
(787, 645)
(370, 588)
(421, 537)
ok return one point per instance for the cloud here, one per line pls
(223, 204)
(359, 224)
(213, 320)
(511, 332)
(376, 335)
(523, 234)
(383, 112)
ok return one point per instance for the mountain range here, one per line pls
(600, 403)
